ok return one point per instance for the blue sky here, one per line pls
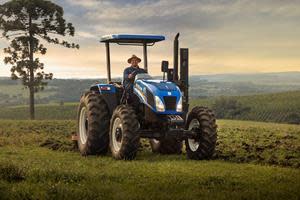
(242, 36)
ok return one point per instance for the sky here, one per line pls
(223, 36)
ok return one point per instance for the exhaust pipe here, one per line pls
(175, 61)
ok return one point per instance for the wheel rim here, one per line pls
(193, 143)
(83, 126)
(117, 135)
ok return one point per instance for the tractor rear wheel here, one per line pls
(168, 145)
(93, 125)
(203, 121)
(123, 136)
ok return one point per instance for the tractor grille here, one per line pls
(170, 102)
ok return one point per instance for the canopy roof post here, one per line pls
(145, 57)
(108, 62)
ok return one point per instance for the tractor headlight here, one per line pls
(179, 105)
(160, 107)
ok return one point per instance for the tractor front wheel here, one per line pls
(123, 135)
(201, 120)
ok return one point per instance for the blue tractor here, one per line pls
(108, 122)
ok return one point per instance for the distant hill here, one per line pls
(201, 86)
(243, 84)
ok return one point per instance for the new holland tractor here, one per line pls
(107, 121)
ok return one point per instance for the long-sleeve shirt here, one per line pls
(130, 70)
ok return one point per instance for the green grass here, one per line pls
(275, 107)
(15, 90)
(38, 161)
(56, 175)
(42, 112)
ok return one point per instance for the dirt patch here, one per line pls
(58, 145)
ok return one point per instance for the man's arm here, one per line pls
(125, 75)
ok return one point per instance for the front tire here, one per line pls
(123, 136)
(203, 121)
(92, 125)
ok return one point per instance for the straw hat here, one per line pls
(133, 56)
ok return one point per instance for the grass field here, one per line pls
(43, 112)
(253, 161)
(14, 90)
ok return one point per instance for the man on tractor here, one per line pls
(130, 73)
(110, 119)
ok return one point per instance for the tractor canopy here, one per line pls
(132, 38)
(129, 39)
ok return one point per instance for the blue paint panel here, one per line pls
(132, 38)
(140, 90)
(162, 85)
(112, 88)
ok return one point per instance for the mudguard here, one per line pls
(109, 93)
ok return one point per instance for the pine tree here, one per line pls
(25, 23)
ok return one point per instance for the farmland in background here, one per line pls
(278, 107)
(204, 86)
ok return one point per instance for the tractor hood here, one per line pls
(148, 90)
(158, 87)
(162, 85)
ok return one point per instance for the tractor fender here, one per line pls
(109, 94)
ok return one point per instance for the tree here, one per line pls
(24, 23)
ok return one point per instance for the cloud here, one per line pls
(84, 34)
(223, 36)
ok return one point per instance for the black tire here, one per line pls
(170, 145)
(95, 139)
(125, 143)
(204, 120)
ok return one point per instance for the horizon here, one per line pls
(222, 36)
(220, 74)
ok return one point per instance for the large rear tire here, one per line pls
(203, 121)
(169, 145)
(93, 125)
(123, 136)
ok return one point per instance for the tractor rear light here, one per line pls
(105, 88)
(179, 105)
(160, 107)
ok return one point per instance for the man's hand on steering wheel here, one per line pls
(132, 75)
